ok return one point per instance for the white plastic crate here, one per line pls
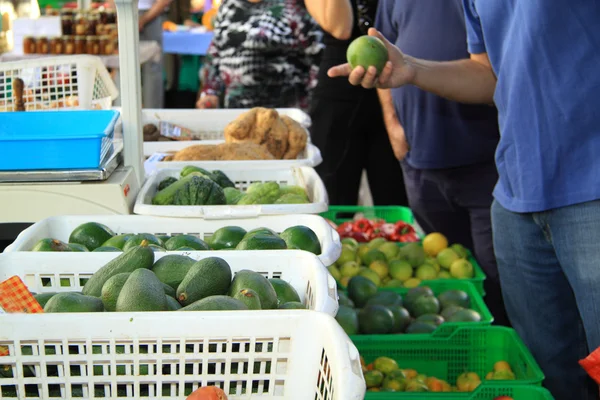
(302, 176)
(65, 82)
(285, 355)
(67, 272)
(60, 228)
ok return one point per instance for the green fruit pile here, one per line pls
(96, 237)
(388, 265)
(134, 282)
(364, 310)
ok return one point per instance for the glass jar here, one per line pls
(111, 16)
(81, 24)
(93, 19)
(68, 44)
(56, 45)
(100, 28)
(103, 16)
(107, 47)
(42, 45)
(93, 45)
(29, 46)
(80, 45)
(67, 23)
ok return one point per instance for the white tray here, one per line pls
(291, 355)
(61, 227)
(302, 176)
(67, 272)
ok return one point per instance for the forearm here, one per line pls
(334, 16)
(464, 81)
(387, 106)
(157, 9)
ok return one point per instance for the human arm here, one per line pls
(393, 126)
(157, 9)
(334, 16)
(212, 85)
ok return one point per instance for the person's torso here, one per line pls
(264, 51)
(546, 56)
(441, 133)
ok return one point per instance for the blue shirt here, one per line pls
(546, 56)
(441, 133)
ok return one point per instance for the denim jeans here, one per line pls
(549, 265)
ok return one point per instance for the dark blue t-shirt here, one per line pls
(546, 56)
(441, 133)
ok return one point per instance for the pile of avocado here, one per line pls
(199, 187)
(133, 281)
(92, 236)
(364, 310)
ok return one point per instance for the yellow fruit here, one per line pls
(426, 272)
(503, 376)
(446, 257)
(468, 382)
(502, 366)
(350, 269)
(380, 267)
(401, 270)
(371, 275)
(385, 365)
(434, 243)
(335, 272)
(412, 283)
(462, 269)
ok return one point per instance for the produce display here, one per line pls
(95, 237)
(133, 281)
(388, 265)
(385, 375)
(197, 187)
(257, 134)
(364, 230)
(365, 310)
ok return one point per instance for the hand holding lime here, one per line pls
(365, 51)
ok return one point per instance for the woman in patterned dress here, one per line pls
(263, 53)
(347, 121)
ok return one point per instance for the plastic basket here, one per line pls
(301, 176)
(250, 354)
(446, 356)
(55, 139)
(477, 304)
(61, 227)
(340, 214)
(65, 82)
(60, 272)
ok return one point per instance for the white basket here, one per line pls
(65, 82)
(61, 227)
(303, 176)
(67, 272)
(291, 355)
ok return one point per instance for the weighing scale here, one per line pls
(27, 197)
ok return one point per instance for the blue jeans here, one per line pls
(549, 265)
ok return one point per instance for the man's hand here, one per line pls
(398, 140)
(397, 72)
(141, 24)
(208, 101)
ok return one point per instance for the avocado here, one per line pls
(348, 320)
(344, 300)
(190, 241)
(360, 290)
(261, 241)
(413, 253)
(117, 241)
(111, 290)
(107, 249)
(136, 257)
(454, 298)
(301, 237)
(163, 238)
(414, 293)
(249, 297)
(292, 305)
(51, 245)
(421, 327)
(172, 304)
(142, 292)
(426, 304)
(386, 298)
(402, 318)
(285, 291)
(215, 303)
(156, 248)
(169, 291)
(260, 231)
(375, 319)
(431, 318)
(43, 298)
(465, 315)
(208, 277)
(91, 235)
(171, 269)
(73, 302)
(450, 310)
(136, 240)
(227, 237)
(246, 279)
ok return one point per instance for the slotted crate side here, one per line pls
(113, 355)
(74, 82)
(68, 272)
(60, 228)
(481, 393)
(301, 176)
(466, 349)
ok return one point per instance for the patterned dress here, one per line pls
(263, 54)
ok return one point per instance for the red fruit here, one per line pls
(207, 393)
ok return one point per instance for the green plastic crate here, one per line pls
(466, 349)
(340, 214)
(446, 328)
(482, 393)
